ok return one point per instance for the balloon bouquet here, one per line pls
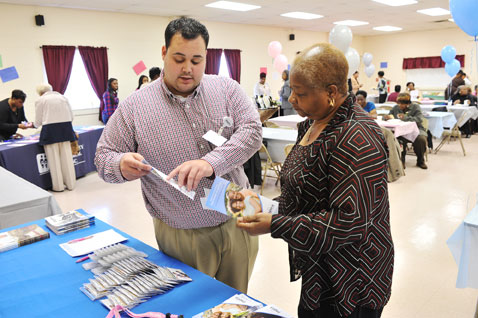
(465, 15)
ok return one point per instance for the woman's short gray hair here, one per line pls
(43, 88)
(322, 65)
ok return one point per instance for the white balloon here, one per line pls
(370, 70)
(353, 58)
(367, 59)
(341, 36)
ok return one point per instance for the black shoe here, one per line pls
(422, 165)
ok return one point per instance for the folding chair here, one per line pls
(288, 148)
(455, 133)
(269, 164)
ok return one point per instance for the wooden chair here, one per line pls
(409, 146)
(270, 124)
(267, 165)
(453, 132)
(288, 148)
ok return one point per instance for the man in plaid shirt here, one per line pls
(164, 124)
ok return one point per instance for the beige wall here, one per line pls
(132, 37)
(392, 48)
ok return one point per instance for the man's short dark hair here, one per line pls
(262, 75)
(154, 72)
(189, 29)
(361, 92)
(461, 73)
(381, 73)
(18, 94)
(398, 88)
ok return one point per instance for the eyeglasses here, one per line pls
(403, 102)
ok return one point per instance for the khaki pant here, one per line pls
(224, 251)
(60, 162)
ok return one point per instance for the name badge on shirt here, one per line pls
(214, 138)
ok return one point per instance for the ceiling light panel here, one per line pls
(351, 22)
(434, 11)
(302, 15)
(229, 5)
(396, 3)
(387, 28)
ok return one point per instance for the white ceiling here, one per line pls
(375, 13)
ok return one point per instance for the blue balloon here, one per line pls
(448, 54)
(465, 14)
(452, 68)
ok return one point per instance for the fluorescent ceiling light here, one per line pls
(434, 11)
(229, 5)
(351, 22)
(387, 28)
(396, 3)
(302, 15)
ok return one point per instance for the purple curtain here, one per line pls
(233, 59)
(95, 60)
(58, 63)
(428, 62)
(213, 61)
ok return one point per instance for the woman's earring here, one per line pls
(331, 102)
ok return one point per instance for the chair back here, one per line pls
(425, 123)
(271, 124)
(288, 148)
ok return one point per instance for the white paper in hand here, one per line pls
(172, 182)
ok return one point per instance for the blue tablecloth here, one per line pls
(42, 280)
(27, 160)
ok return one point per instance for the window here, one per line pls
(79, 92)
(223, 69)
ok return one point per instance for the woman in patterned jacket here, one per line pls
(334, 208)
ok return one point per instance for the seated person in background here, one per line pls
(369, 107)
(12, 115)
(463, 96)
(262, 88)
(408, 111)
(393, 96)
(414, 93)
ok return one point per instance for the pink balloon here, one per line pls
(280, 63)
(274, 48)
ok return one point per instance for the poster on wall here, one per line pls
(8, 74)
(139, 67)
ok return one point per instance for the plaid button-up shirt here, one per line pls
(167, 130)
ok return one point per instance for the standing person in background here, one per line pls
(262, 88)
(110, 100)
(143, 79)
(12, 115)
(458, 80)
(393, 96)
(382, 88)
(414, 93)
(154, 73)
(163, 124)
(284, 93)
(53, 113)
(355, 83)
